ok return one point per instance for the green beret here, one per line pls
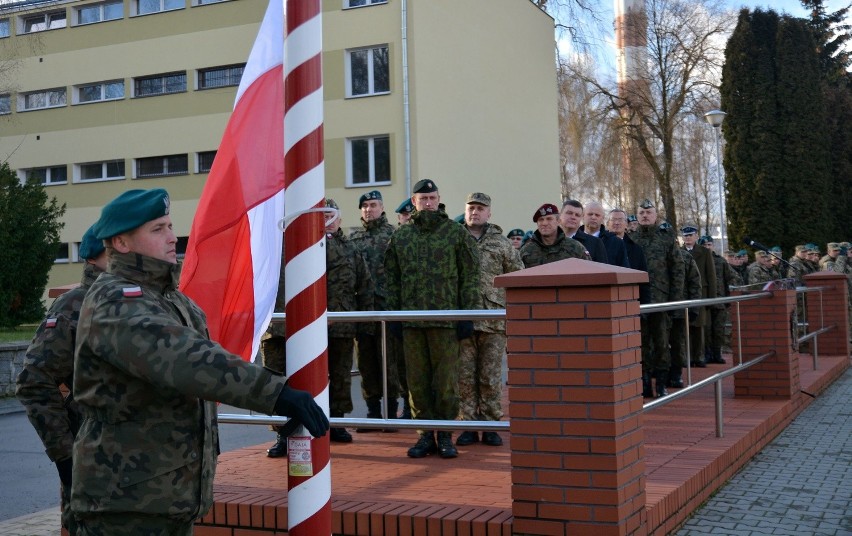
(90, 247)
(631, 218)
(775, 249)
(742, 253)
(515, 232)
(665, 225)
(405, 207)
(459, 218)
(369, 196)
(424, 186)
(706, 239)
(130, 210)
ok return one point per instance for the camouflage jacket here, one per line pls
(726, 277)
(145, 376)
(49, 363)
(841, 265)
(348, 283)
(666, 269)
(692, 282)
(432, 264)
(759, 274)
(704, 260)
(535, 253)
(497, 256)
(372, 241)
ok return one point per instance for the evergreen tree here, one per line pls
(833, 33)
(29, 238)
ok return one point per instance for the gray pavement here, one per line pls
(801, 484)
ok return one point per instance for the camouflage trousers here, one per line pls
(370, 365)
(655, 343)
(431, 360)
(135, 524)
(481, 376)
(69, 522)
(715, 335)
(677, 341)
(340, 350)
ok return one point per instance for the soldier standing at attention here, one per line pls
(146, 376)
(699, 325)
(760, 271)
(404, 211)
(348, 288)
(666, 273)
(549, 242)
(725, 279)
(481, 356)
(49, 363)
(432, 264)
(516, 237)
(371, 240)
(677, 330)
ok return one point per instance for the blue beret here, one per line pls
(688, 230)
(130, 210)
(90, 247)
(405, 207)
(424, 186)
(515, 232)
(369, 196)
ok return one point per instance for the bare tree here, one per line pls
(693, 182)
(685, 53)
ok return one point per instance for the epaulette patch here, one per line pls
(50, 322)
(132, 292)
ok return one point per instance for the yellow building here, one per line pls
(97, 97)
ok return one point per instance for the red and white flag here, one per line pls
(233, 258)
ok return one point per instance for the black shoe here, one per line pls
(279, 449)
(425, 446)
(699, 364)
(339, 435)
(676, 382)
(660, 384)
(716, 356)
(467, 438)
(647, 390)
(445, 445)
(491, 439)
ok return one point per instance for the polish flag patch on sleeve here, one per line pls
(131, 292)
(50, 322)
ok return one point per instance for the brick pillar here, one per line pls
(766, 324)
(835, 311)
(575, 399)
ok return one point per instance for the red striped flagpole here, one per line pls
(309, 470)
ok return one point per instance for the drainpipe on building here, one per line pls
(405, 107)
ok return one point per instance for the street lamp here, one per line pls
(715, 118)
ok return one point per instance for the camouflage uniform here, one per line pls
(372, 241)
(349, 288)
(481, 356)
(759, 274)
(798, 270)
(704, 260)
(432, 264)
(49, 363)
(666, 271)
(677, 333)
(146, 450)
(726, 277)
(535, 253)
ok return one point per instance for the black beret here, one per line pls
(424, 186)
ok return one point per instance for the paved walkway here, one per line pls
(801, 484)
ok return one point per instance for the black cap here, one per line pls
(424, 186)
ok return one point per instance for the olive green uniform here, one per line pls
(535, 252)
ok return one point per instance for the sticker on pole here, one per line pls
(299, 456)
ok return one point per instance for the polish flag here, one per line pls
(233, 258)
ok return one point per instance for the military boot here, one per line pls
(446, 449)
(675, 376)
(339, 435)
(660, 377)
(425, 446)
(374, 411)
(393, 409)
(468, 437)
(647, 390)
(279, 449)
(717, 356)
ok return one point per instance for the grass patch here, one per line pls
(22, 333)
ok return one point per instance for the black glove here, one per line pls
(464, 329)
(693, 315)
(395, 329)
(300, 405)
(64, 468)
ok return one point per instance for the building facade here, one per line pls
(98, 97)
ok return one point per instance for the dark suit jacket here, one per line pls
(616, 252)
(594, 246)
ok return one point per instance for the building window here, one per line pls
(368, 161)
(205, 2)
(161, 84)
(36, 100)
(4, 27)
(43, 21)
(367, 71)
(97, 171)
(102, 91)
(361, 3)
(220, 76)
(46, 175)
(5, 104)
(62, 256)
(93, 13)
(158, 166)
(144, 7)
(205, 161)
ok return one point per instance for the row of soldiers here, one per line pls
(807, 259)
